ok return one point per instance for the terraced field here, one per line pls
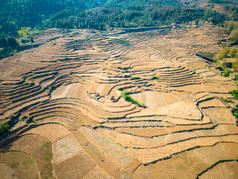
(95, 104)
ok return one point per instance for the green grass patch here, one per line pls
(14, 165)
(47, 153)
(46, 150)
(127, 97)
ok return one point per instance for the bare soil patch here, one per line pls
(51, 131)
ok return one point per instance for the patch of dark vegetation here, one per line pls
(235, 113)
(6, 52)
(227, 73)
(51, 88)
(135, 78)
(224, 99)
(29, 120)
(127, 97)
(124, 68)
(223, 1)
(219, 68)
(127, 76)
(8, 46)
(154, 77)
(4, 128)
(234, 93)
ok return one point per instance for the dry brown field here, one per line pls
(70, 120)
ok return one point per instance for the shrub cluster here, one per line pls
(227, 73)
(234, 93)
(154, 77)
(127, 97)
(4, 128)
(135, 78)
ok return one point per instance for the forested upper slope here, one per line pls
(75, 13)
(98, 14)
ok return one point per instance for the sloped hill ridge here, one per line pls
(101, 105)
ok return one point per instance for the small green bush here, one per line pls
(30, 119)
(234, 36)
(235, 65)
(233, 52)
(234, 93)
(219, 68)
(127, 97)
(235, 113)
(225, 99)
(135, 78)
(127, 76)
(223, 53)
(4, 128)
(227, 73)
(154, 77)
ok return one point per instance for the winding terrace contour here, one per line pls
(70, 120)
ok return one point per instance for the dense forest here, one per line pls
(99, 14)
(15, 15)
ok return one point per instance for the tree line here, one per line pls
(99, 14)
